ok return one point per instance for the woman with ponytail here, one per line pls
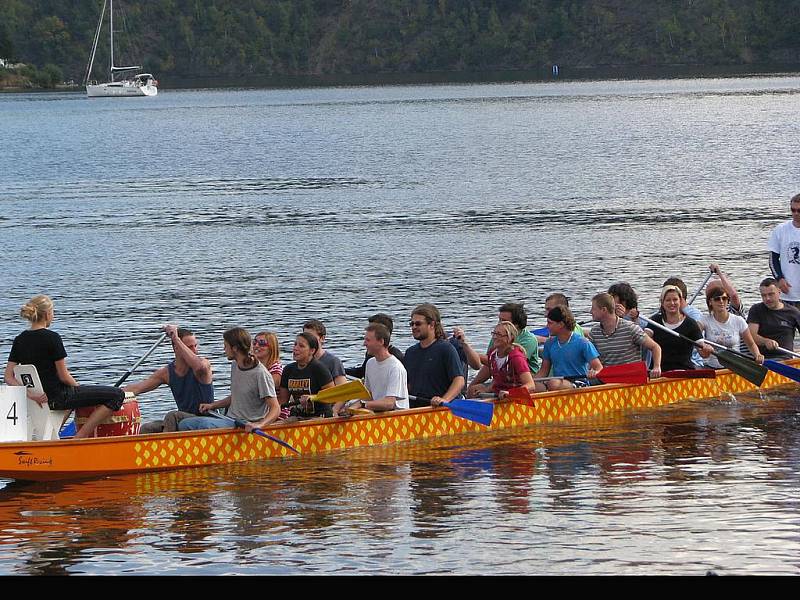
(252, 400)
(43, 348)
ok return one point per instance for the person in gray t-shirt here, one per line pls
(316, 328)
(252, 398)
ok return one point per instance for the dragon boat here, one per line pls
(97, 457)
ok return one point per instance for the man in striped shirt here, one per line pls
(619, 341)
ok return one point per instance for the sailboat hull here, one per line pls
(120, 88)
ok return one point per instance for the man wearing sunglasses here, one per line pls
(784, 247)
(434, 369)
(189, 377)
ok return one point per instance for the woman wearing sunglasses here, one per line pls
(508, 364)
(722, 327)
(267, 350)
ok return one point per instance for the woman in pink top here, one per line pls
(508, 365)
(267, 350)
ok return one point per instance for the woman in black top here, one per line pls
(44, 349)
(303, 377)
(676, 353)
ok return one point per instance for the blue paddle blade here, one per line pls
(472, 410)
(69, 430)
(541, 332)
(782, 369)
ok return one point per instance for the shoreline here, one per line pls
(543, 75)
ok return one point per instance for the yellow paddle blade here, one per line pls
(341, 393)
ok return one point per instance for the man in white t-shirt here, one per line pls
(385, 377)
(784, 247)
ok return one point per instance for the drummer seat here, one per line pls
(43, 423)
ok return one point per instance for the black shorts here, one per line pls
(88, 395)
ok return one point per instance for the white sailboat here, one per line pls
(141, 84)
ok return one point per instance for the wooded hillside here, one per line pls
(230, 38)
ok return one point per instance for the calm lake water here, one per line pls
(263, 208)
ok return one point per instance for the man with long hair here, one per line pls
(252, 398)
(433, 366)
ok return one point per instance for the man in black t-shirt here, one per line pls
(773, 323)
(433, 367)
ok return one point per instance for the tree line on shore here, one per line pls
(240, 38)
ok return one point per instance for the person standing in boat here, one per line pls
(331, 362)
(43, 348)
(434, 370)
(304, 377)
(567, 355)
(252, 399)
(676, 353)
(619, 341)
(507, 364)
(385, 376)
(386, 321)
(722, 327)
(773, 322)
(189, 377)
(784, 248)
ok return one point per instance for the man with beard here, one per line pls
(434, 370)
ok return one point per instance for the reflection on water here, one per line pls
(690, 488)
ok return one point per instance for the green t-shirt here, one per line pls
(528, 341)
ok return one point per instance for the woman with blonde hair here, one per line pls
(43, 348)
(508, 364)
(676, 353)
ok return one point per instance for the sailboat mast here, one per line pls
(94, 45)
(111, 27)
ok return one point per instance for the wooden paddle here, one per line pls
(700, 289)
(140, 361)
(777, 367)
(738, 363)
(789, 352)
(690, 374)
(521, 395)
(633, 373)
(241, 424)
(351, 390)
(471, 410)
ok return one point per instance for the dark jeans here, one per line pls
(88, 395)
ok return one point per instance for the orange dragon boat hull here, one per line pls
(73, 459)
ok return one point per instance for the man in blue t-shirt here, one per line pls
(433, 366)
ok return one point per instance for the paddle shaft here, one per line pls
(795, 354)
(700, 289)
(141, 360)
(675, 333)
(257, 431)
